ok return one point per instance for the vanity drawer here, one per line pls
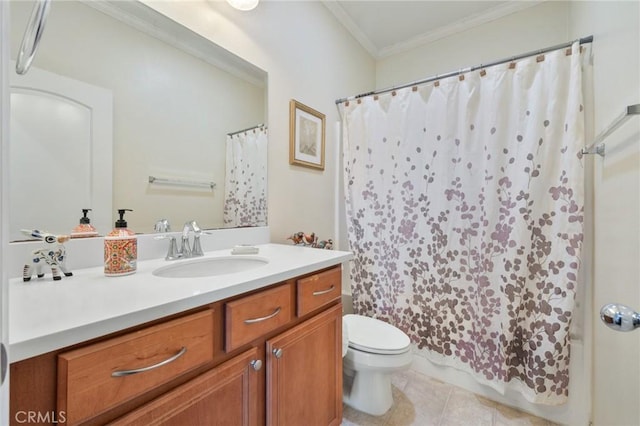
(98, 377)
(253, 316)
(318, 290)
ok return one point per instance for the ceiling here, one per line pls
(387, 27)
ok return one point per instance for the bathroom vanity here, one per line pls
(261, 346)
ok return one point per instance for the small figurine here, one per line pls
(310, 239)
(53, 255)
(302, 239)
(325, 244)
(297, 238)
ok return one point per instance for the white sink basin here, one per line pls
(208, 267)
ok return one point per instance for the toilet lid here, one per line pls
(375, 336)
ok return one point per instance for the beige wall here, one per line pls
(616, 185)
(310, 57)
(530, 29)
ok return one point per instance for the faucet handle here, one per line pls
(197, 247)
(185, 250)
(172, 253)
(162, 225)
(195, 227)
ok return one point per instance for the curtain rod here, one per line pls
(246, 130)
(582, 40)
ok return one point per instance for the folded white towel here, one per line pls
(245, 249)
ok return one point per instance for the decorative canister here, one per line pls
(120, 249)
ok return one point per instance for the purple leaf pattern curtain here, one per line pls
(245, 189)
(465, 214)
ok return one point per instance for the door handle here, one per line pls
(620, 317)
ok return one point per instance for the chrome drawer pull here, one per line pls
(254, 320)
(122, 373)
(321, 292)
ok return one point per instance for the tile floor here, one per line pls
(422, 401)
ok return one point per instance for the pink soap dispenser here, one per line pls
(120, 249)
(84, 229)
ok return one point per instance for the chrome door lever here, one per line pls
(620, 317)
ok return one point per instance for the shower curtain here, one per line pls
(465, 214)
(245, 189)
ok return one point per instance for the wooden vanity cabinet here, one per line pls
(271, 356)
(303, 363)
(304, 372)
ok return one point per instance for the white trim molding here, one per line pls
(379, 52)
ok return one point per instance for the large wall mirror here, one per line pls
(176, 106)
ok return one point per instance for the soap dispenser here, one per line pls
(120, 249)
(84, 228)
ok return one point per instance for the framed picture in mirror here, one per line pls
(306, 136)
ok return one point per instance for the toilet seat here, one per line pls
(374, 336)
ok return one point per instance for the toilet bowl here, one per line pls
(375, 351)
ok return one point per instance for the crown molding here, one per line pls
(458, 27)
(429, 36)
(344, 18)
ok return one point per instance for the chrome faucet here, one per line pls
(185, 250)
(163, 226)
(172, 253)
(196, 249)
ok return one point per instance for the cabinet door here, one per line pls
(304, 372)
(225, 395)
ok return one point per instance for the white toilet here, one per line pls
(375, 351)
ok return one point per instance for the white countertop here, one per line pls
(45, 315)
